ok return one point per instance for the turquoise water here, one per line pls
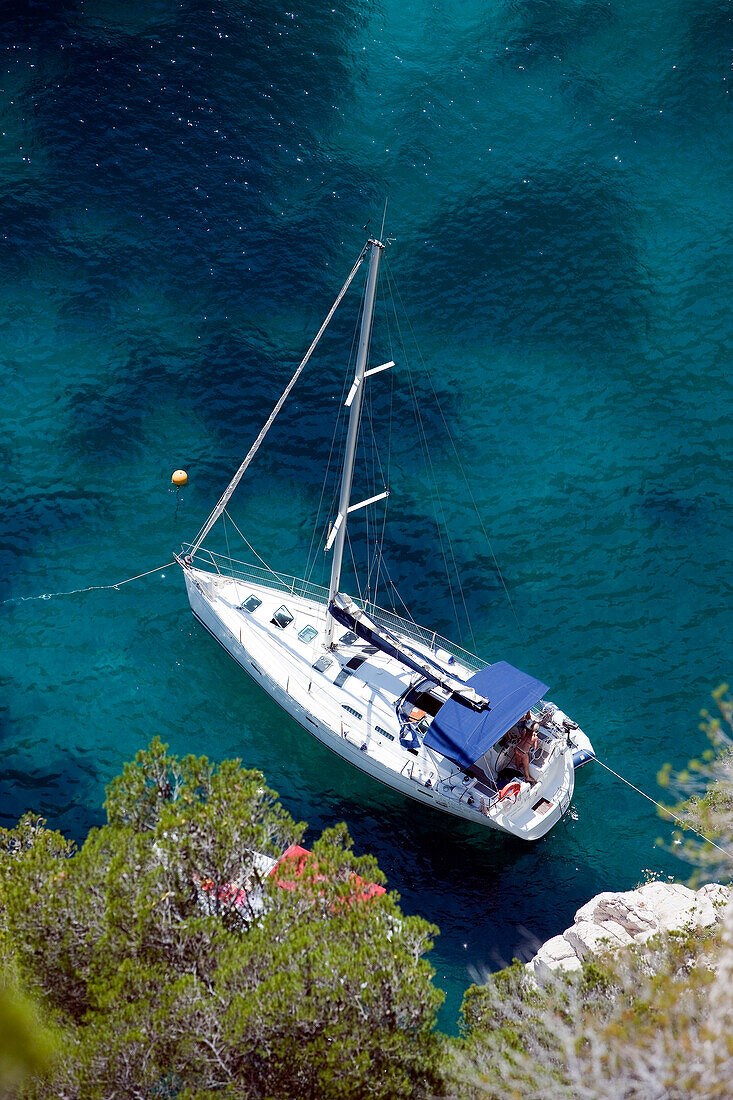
(182, 194)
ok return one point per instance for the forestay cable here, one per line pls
(224, 500)
(666, 810)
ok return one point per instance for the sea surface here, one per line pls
(183, 187)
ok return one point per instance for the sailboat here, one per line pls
(407, 707)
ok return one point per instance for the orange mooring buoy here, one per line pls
(180, 477)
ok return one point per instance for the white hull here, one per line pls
(357, 719)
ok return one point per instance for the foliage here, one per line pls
(651, 1023)
(166, 988)
(158, 985)
(27, 1046)
(706, 790)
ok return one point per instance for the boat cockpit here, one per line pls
(416, 709)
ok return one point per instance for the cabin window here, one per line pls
(348, 638)
(384, 733)
(351, 710)
(307, 634)
(282, 617)
(322, 664)
(348, 668)
(250, 604)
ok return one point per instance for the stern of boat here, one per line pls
(531, 812)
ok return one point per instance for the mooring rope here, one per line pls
(666, 810)
(91, 588)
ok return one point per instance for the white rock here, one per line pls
(588, 911)
(626, 909)
(544, 973)
(555, 954)
(615, 929)
(571, 963)
(613, 920)
(590, 939)
(715, 893)
(676, 906)
(555, 950)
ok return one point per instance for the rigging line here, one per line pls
(370, 554)
(312, 555)
(224, 499)
(249, 546)
(376, 457)
(395, 589)
(456, 571)
(369, 405)
(371, 471)
(353, 563)
(91, 588)
(229, 553)
(660, 806)
(369, 480)
(379, 556)
(460, 464)
(383, 568)
(390, 420)
(438, 525)
(375, 461)
(384, 217)
(311, 562)
(376, 545)
(436, 496)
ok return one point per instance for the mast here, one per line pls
(357, 390)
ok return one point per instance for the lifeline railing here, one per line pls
(296, 586)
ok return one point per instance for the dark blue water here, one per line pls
(182, 192)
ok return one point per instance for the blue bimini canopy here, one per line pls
(464, 735)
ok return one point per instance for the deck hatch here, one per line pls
(282, 617)
(346, 671)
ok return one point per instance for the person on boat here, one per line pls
(527, 742)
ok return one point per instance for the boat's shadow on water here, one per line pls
(486, 891)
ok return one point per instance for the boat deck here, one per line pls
(347, 697)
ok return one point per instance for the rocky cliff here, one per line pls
(611, 921)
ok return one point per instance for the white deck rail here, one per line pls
(282, 582)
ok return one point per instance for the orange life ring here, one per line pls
(510, 789)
